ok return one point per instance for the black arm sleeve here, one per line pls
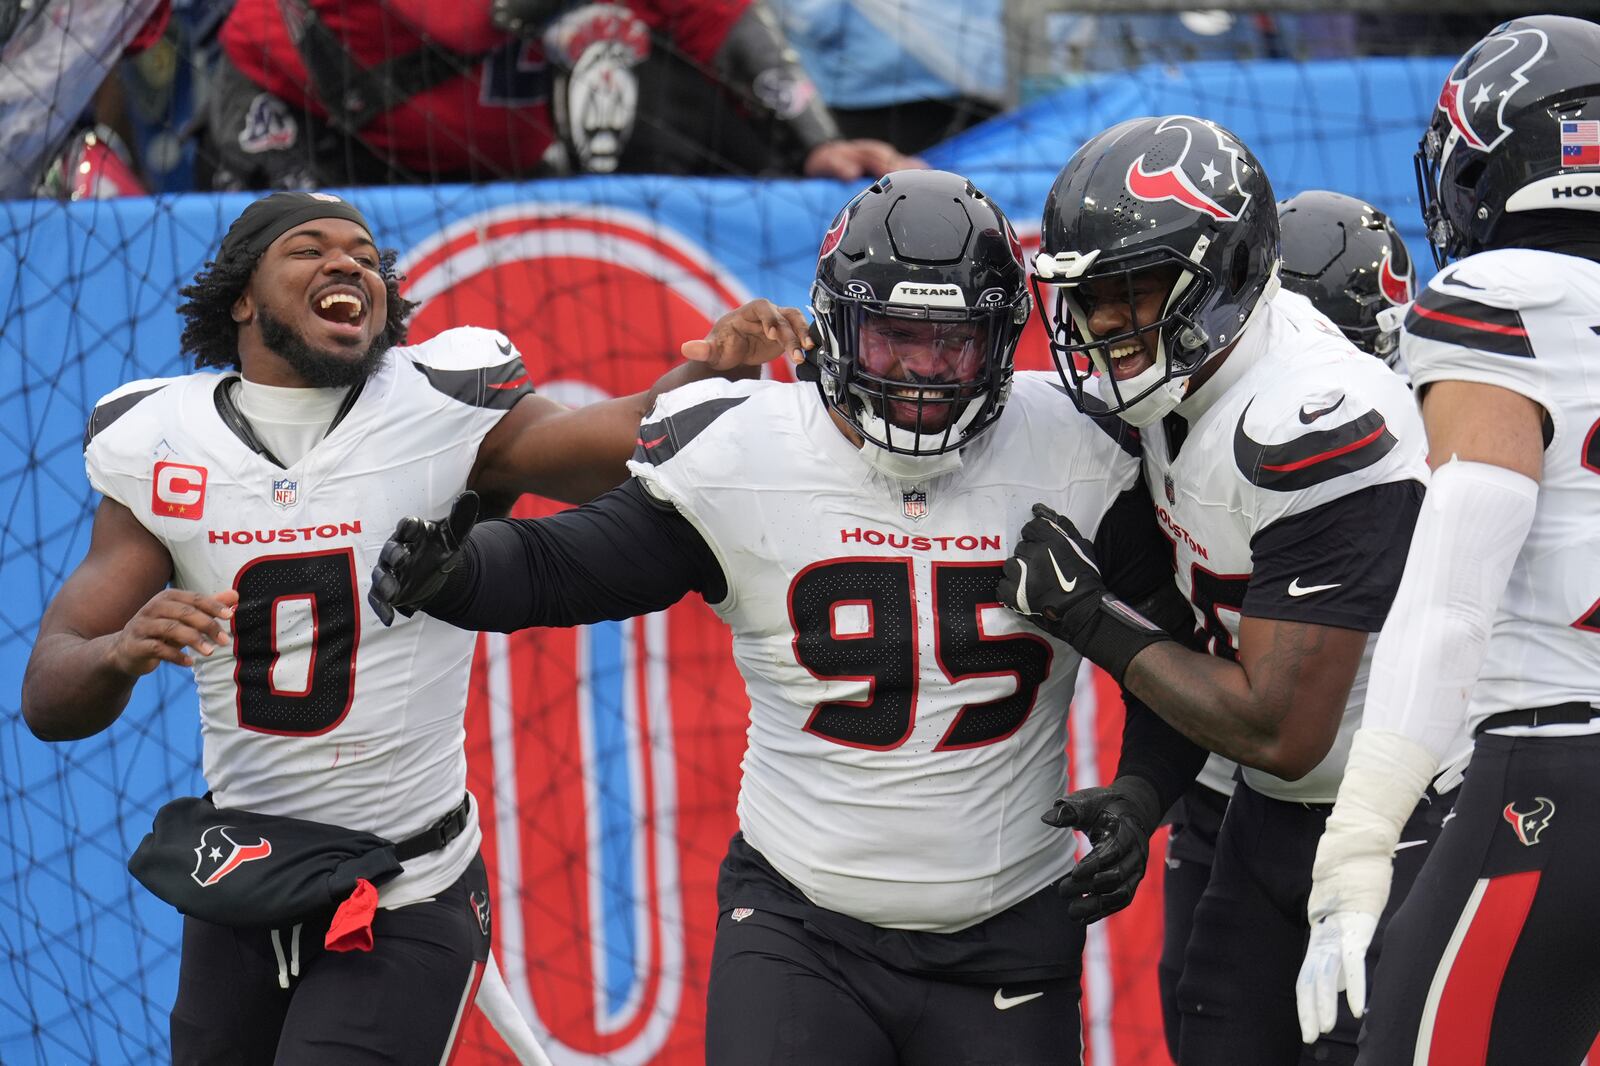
(762, 68)
(620, 555)
(1136, 563)
(1158, 753)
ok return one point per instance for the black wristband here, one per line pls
(1114, 634)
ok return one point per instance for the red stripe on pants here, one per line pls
(1466, 1007)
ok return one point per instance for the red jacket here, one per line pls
(491, 122)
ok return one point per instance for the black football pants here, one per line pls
(783, 994)
(1494, 959)
(1236, 995)
(255, 997)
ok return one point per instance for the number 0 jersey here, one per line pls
(1258, 496)
(317, 710)
(906, 731)
(1529, 321)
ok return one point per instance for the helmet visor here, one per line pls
(922, 372)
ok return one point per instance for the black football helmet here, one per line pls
(919, 252)
(1517, 128)
(1173, 191)
(1346, 257)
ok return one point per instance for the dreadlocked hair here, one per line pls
(212, 336)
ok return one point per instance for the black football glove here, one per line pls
(1052, 578)
(413, 564)
(1118, 821)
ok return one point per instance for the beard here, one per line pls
(317, 368)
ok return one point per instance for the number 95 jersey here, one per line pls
(906, 731)
(316, 710)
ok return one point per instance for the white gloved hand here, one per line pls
(1336, 960)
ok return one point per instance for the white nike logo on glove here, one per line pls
(1005, 1002)
(1066, 586)
(1297, 589)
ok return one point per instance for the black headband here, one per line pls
(272, 216)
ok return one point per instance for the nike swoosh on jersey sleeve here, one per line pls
(661, 440)
(1452, 319)
(1312, 458)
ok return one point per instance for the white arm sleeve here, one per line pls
(1471, 528)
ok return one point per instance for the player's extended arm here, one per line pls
(575, 455)
(111, 623)
(623, 555)
(1487, 447)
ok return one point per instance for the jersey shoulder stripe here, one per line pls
(1312, 458)
(1455, 319)
(660, 440)
(473, 366)
(497, 388)
(109, 410)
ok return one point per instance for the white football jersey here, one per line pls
(906, 731)
(1529, 321)
(1296, 418)
(317, 710)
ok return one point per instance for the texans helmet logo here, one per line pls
(219, 854)
(1208, 158)
(835, 234)
(1395, 279)
(1529, 826)
(1475, 96)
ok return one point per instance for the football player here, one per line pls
(276, 482)
(888, 898)
(1496, 631)
(1286, 469)
(1346, 257)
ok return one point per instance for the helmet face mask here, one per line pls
(1507, 133)
(1175, 197)
(1150, 301)
(1347, 258)
(920, 299)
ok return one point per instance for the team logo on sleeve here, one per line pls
(1529, 826)
(1204, 175)
(1475, 96)
(219, 854)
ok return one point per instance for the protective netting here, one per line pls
(606, 761)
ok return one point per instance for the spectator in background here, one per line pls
(372, 91)
(913, 72)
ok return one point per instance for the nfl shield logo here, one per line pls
(285, 493)
(914, 502)
(1172, 497)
